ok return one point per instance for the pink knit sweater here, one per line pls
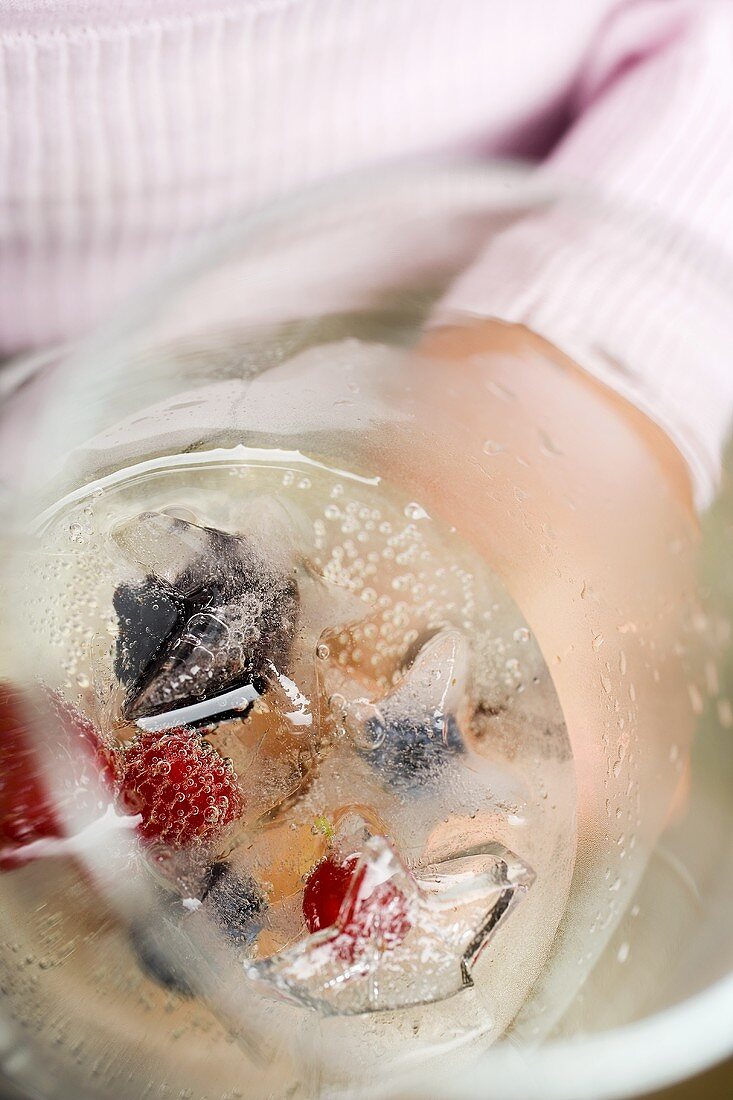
(129, 126)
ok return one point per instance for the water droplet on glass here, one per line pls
(725, 714)
(696, 700)
(548, 446)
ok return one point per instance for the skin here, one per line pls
(620, 493)
(584, 509)
(650, 474)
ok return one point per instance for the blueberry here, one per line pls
(161, 952)
(411, 754)
(235, 902)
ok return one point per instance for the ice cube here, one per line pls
(235, 903)
(411, 733)
(400, 939)
(216, 614)
(228, 615)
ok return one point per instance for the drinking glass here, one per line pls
(301, 350)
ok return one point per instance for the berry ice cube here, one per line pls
(400, 938)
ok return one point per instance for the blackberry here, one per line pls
(162, 951)
(411, 754)
(235, 902)
(148, 614)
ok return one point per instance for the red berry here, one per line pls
(325, 890)
(26, 813)
(184, 790)
(372, 916)
(37, 740)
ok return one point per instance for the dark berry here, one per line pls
(238, 616)
(183, 789)
(235, 902)
(162, 951)
(147, 615)
(411, 754)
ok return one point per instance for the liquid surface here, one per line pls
(409, 725)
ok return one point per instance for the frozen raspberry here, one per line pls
(83, 775)
(26, 813)
(325, 891)
(180, 785)
(337, 893)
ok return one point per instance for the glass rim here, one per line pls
(662, 1048)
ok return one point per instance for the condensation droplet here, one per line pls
(696, 699)
(548, 446)
(725, 714)
(413, 510)
(711, 678)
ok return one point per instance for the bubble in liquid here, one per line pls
(413, 510)
(76, 533)
(491, 447)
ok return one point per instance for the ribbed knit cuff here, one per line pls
(647, 313)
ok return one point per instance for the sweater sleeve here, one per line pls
(629, 267)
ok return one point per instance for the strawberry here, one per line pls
(46, 736)
(183, 789)
(335, 894)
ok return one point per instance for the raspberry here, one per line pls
(325, 891)
(180, 785)
(27, 810)
(26, 814)
(335, 894)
